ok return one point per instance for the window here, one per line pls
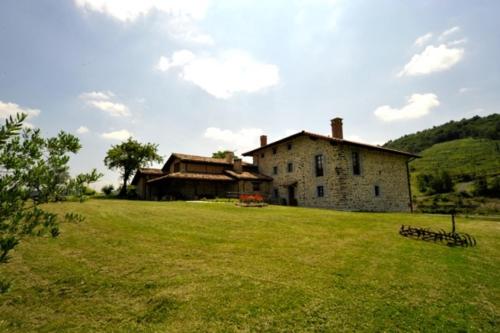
(256, 186)
(274, 151)
(276, 193)
(289, 146)
(262, 155)
(320, 191)
(356, 167)
(319, 165)
(377, 190)
(275, 170)
(177, 167)
(290, 167)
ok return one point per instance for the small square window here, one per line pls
(275, 170)
(320, 191)
(289, 146)
(274, 151)
(262, 155)
(377, 190)
(290, 167)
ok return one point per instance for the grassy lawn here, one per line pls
(193, 267)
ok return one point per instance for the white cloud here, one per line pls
(418, 105)
(432, 59)
(103, 101)
(422, 40)
(184, 28)
(241, 141)
(464, 90)
(97, 95)
(222, 76)
(457, 42)
(8, 109)
(114, 109)
(449, 32)
(179, 58)
(82, 130)
(129, 10)
(182, 14)
(120, 135)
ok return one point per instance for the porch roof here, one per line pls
(193, 176)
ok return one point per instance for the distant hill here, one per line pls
(463, 159)
(477, 127)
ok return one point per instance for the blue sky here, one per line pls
(196, 76)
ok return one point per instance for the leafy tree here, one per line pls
(481, 186)
(108, 189)
(494, 189)
(33, 171)
(129, 156)
(220, 153)
(440, 182)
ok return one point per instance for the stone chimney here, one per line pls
(229, 157)
(238, 165)
(263, 140)
(337, 132)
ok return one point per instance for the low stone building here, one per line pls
(303, 169)
(327, 171)
(192, 177)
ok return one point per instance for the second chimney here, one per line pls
(238, 165)
(337, 132)
(229, 157)
(263, 140)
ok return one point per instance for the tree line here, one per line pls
(477, 127)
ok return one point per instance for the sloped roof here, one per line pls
(245, 175)
(146, 171)
(333, 140)
(202, 159)
(193, 176)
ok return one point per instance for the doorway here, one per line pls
(292, 201)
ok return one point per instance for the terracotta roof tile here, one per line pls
(245, 175)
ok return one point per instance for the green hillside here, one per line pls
(463, 159)
(477, 127)
(135, 266)
(460, 165)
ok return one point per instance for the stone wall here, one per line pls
(342, 189)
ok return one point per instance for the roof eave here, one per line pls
(340, 141)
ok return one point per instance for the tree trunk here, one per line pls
(123, 190)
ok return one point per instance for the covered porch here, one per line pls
(190, 186)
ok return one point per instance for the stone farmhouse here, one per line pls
(303, 169)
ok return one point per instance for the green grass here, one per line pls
(461, 157)
(197, 267)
